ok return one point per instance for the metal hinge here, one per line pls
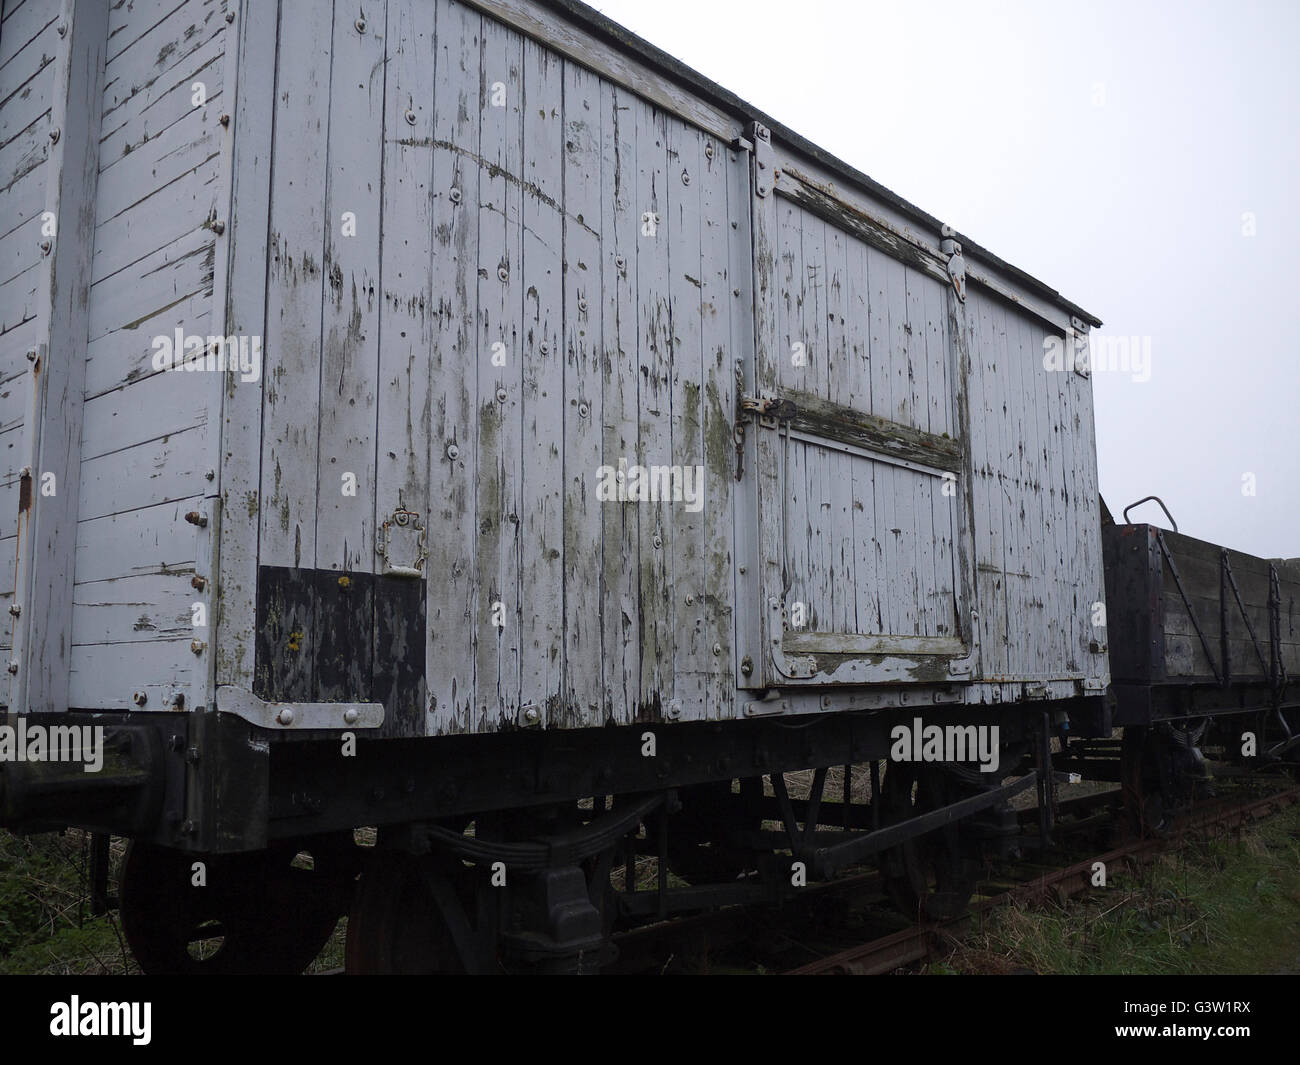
(769, 409)
(764, 159)
(956, 264)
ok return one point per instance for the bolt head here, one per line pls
(284, 717)
(351, 716)
(13, 667)
(140, 698)
(531, 714)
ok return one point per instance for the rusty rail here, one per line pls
(916, 944)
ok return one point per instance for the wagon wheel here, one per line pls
(257, 913)
(926, 876)
(1161, 771)
(401, 921)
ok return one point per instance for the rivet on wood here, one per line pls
(54, 135)
(15, 609)
(582, 303)
(454, 195)
(544, 347)
(230, 16)
(453, 452)
(197, 646)
(140, 698)
(582, 410)
(620, 262)
(503, 274)
(31, 354)
(686, 178)
(218, 228)
(195, 518)
(63, 29)
(410, 116)
(501, 395)
(657, 540)
(360, 25)
(13, 667)
(45, 247)
(224, 120)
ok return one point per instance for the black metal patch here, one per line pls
(328, 636)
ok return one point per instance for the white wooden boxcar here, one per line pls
(486, 263)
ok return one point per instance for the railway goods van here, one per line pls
(457, 418)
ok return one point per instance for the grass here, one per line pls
(1228, 905)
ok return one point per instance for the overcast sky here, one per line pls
(1109, 149)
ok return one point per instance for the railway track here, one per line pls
(920, 942)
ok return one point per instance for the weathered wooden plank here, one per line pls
(28, 59)
(22, 198)
(137, 609)
(143, 98)
(125, 356)
(157, 218)
(295, 287)
(586, 226)
(500, 368)
(18, 299)
(346, 503)
(101, 677)
(458, 609)
(405, 334)
(153, 472)
(21, 251)
(150, 409)
(542, 409)
(693, 657)
(159, 162)
(621, 543)
(721, 239)
(23, 25)
(143, 24)
(150, 540)
(46, 563)
(25, 104)
(654, 197)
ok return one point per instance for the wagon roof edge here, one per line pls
(602, 26)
